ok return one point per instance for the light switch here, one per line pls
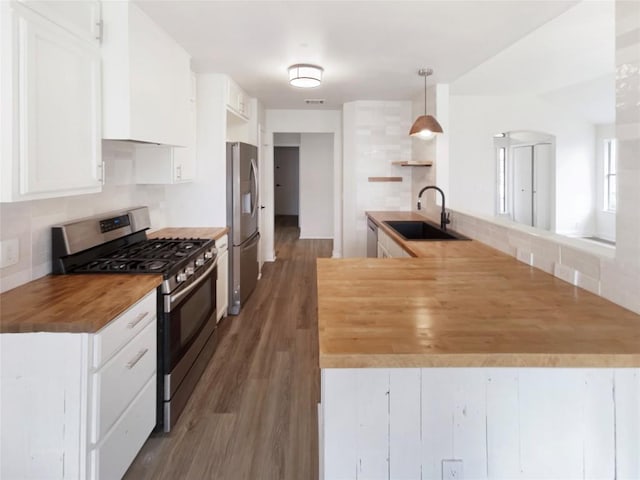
(9, 252)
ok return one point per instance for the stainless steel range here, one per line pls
(117, 243)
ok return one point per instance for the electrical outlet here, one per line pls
(8, 252)
(452, 470)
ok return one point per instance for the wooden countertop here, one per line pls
(83, 302)
(213, 233)
(71, 303)
(464, 304)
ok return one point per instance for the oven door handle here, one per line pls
(203, 277)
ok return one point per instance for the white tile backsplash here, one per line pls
(31, 222)
(583, 264)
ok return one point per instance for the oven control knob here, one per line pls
(189, 271)
(181, 277)
(208, 255)
(199, 262)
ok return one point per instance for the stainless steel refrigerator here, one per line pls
(242, 218)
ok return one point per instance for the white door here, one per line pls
(59, 109)
(286, 178)
(542, 185)
(523, 185)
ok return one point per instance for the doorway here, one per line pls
(530, 185)
(525, 177)
(286, 186)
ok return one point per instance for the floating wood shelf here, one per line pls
(411, 163)
(385, 179)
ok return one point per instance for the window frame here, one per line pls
(610, 171)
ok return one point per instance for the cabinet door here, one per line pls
(58, 110)
(160, 79)
(80, 18)
(237, 100)
(185, 157)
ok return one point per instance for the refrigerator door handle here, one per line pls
(252, 242)
(254, 201)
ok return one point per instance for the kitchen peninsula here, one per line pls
(439, 363)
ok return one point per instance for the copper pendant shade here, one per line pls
(425, 126)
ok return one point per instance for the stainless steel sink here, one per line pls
(419, 230)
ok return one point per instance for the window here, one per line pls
(502, 180)
(610, 174)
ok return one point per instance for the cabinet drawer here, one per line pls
(119, 331)
(117, 383)
(112, 457)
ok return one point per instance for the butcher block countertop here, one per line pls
(463, 304)
(82, 303)
(214, 233)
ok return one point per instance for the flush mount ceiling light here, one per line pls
(425, 126)
(305, 76)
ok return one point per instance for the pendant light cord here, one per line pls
(425, 95)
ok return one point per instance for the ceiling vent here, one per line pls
(314, 101)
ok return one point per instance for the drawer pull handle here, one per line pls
(137, 320)
(136, 359)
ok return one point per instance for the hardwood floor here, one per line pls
(253, 414)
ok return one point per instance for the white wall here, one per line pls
(605, 220)
(31, 222)
(375, 136)
(316, 185)
(203, 202)
(302, 121)
(286, 139)
(474, 121)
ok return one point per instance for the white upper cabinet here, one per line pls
(81, 18)
(146, 79)
(237, 100)
(51, 112)
(161, 164)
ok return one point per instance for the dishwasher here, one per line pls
(372, 239)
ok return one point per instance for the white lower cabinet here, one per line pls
(78, 405)
(387, 247)
(111, 458)
(451, 422)
(222, 285)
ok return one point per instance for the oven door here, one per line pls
(189, 320)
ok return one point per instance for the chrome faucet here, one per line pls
(444, 216)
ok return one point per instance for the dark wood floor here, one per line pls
(254, 413)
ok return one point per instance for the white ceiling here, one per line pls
(569, 61)
(369, 49)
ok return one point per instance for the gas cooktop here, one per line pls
(117, 243)
(149, 256)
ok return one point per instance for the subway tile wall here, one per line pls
(628, 133)
(377, 137)
(30, 222)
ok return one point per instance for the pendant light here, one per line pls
(425, 126)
